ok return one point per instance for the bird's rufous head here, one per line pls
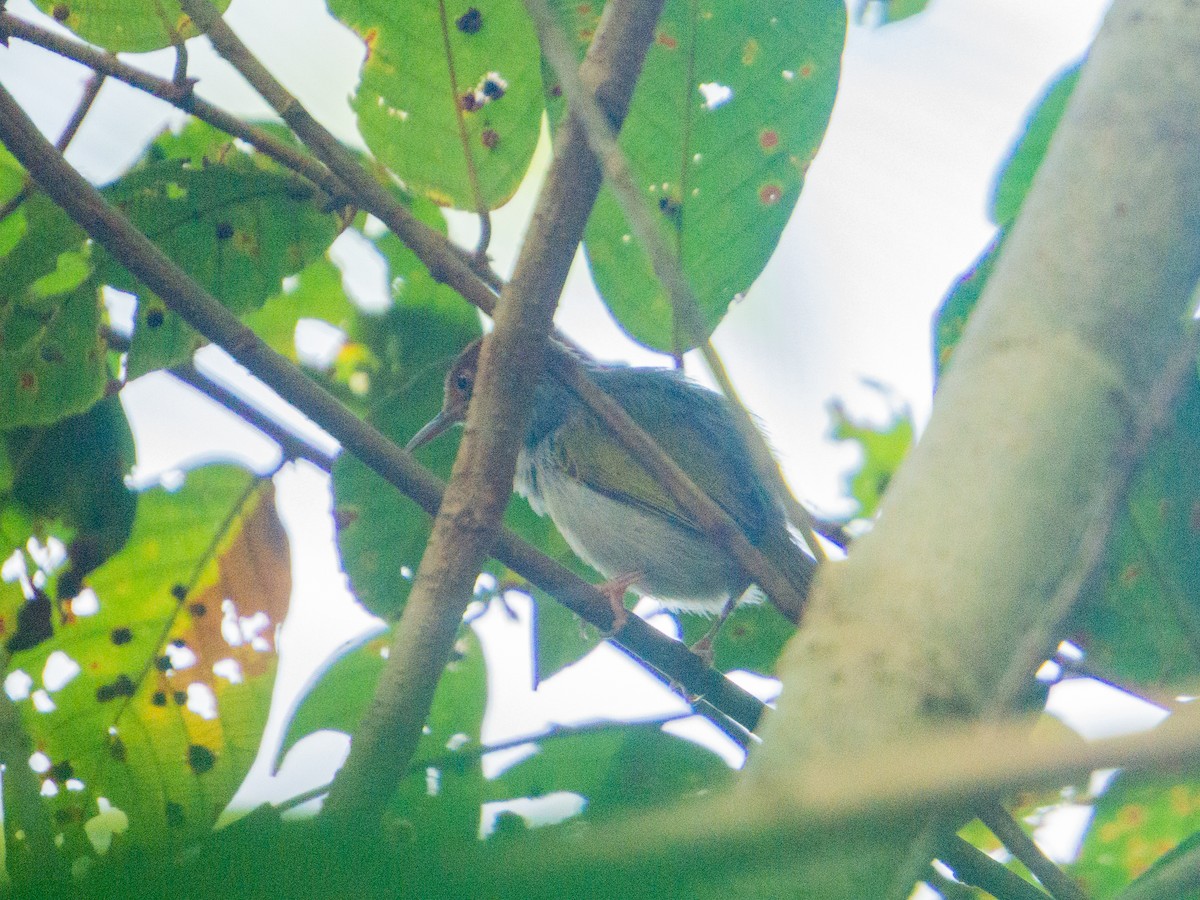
(460, 381)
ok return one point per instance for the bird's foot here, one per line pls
(614, 592)
(704, 647)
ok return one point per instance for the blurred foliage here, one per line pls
(730, 110)
(882, 448)
(148, 694)
(1136, 822)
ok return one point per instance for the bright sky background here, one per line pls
(893, 211)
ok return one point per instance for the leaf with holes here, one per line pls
(238, 228)
(730, 110)
(154, 693)
(52, 361)
(129, 26)
(450, 96)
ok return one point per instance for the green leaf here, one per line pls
(317, 294)
(752, 637)
(344, 691)
(883, 447)
(411, 347)
(615, 767)
(1016, 174)
(73, 472)
(721, 178)
(125, 26)
(1143, 623)
(200, 563)
(52, 361)
(423, 59)
(237, 228)
(950, 321)
(1136, 822)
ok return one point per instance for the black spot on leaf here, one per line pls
(179, 592)
(34, 623)
(469, 22)
(159, 698)
(201, 759)
(154, 318)
(121, 636)
(179, 697)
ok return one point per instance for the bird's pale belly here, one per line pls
(678, 568)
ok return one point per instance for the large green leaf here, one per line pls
(52, 360)
(752, 637)
(732, 105)
(204, 575)
(432, 65)
(237, 227)
(130, 26)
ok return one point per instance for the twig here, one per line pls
(510, 365)
(976, 868)
(1176, 877)
(131, 248)
(292, 445)
(1019, 844)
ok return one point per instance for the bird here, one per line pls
(613, 513)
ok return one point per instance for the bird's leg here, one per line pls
(704, 647)
(614, 592)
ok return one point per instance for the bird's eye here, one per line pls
(463, 382)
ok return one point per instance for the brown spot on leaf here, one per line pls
(665, 40)
(489, 138)
(1131, 573)
(60, 12)
(370, 36)
(806, 70)
(768, 139)
(27, 381)
(769, 194)
(198, 610)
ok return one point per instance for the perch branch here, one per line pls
(510, 365)
(998, 820)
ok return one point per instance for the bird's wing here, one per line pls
(691, 425)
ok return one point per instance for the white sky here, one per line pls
(893, 211)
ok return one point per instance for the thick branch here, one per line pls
(133, 250)
(510, 365)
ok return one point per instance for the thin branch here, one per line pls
(90, 91)
(998, 820)
(1176, 877)
(974, 867)
(198, 308)
(291, 444)
(510, 365)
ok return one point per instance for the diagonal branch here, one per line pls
(510, 365)
(203, 312)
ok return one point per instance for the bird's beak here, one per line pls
(435, 426)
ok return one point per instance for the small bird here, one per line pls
(612, 512)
